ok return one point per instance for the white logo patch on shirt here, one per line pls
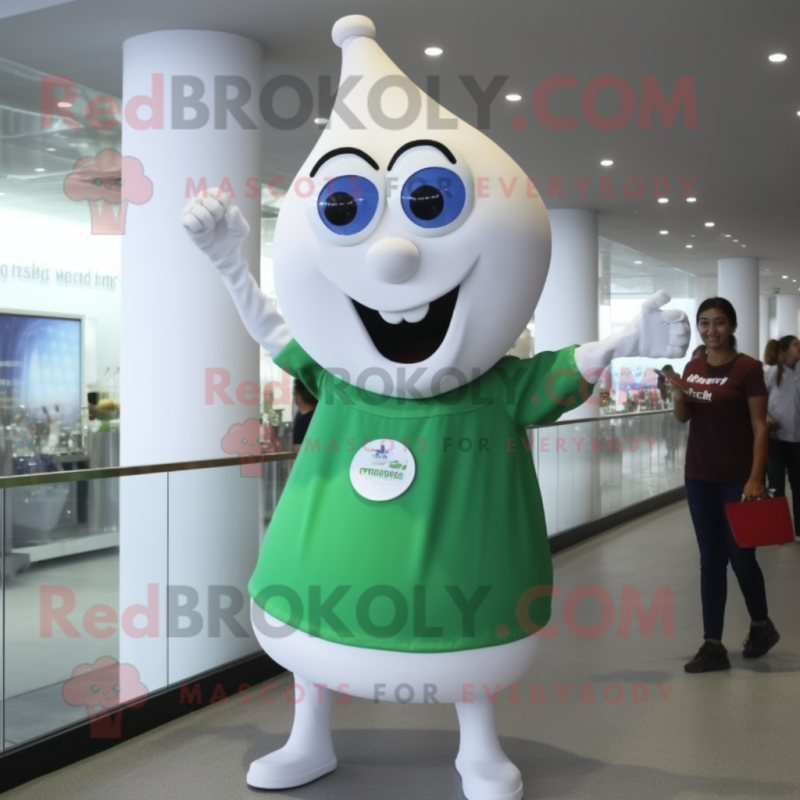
(382, 469)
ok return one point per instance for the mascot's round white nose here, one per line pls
(393, 260)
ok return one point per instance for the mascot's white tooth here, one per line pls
(416, 314)
(392, 317)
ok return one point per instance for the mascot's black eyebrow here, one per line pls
(341, 151)
(421, 143)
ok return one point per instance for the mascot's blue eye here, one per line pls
(348, 204)
(433, 197)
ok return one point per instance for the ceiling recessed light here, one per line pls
(663, 233)
(777, 58)
(744, 245)
(689, 246)
(693, 236)
(736, 240)
(637, 262)
(433, 51)
(514, 98)
(606, 162)
(2, 194)
(798, 113)
(785, 277)
(39, 169)
(709, 224)
(726, 235)
(320, 121)
(691, 199)
(663, 200)
(794, 280)
(51, 149)
(64, 104)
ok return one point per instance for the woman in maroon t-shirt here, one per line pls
(724, 397)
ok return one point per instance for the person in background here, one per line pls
(725, 401)
(306, 403)
(699, 351)
(783, 416)
(669, 430)
(663, 385)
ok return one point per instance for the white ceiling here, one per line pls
(744, 154)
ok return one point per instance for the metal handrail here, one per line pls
(603, 417)
(71, 476)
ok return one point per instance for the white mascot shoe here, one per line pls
(308, 754)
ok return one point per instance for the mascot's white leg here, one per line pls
(466, 678)
(308, 754)
(486, 772)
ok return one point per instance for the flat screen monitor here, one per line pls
(40, 367)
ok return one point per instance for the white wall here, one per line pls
(51, 266)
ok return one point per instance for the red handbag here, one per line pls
(757, 523)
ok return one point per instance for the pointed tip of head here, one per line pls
(354, 25)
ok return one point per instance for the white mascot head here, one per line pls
(409, 252)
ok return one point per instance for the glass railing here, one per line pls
(589, 469)
(122, 582)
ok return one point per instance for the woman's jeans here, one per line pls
(783, 457)
(717, 546)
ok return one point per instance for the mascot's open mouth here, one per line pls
(408, 337)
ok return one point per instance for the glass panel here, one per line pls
(2, 617)
(61, 604)
(272, 482)
(593, 468)
(547, 470)
(143, 581)
(214, 534)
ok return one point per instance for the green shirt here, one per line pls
(445, 565)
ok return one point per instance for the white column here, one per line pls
(177, 322)
(705, 287)
(773, 317)
(788, 307)
(568, 313)
(763, 323)
(568, 309)
(738, 283)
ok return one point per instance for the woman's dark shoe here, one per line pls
(760, 640)
(710, 657)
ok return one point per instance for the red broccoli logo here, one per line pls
(100, 684)
(251, 441)
(106, 181)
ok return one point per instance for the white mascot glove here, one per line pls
(652, 334)
(218, 228)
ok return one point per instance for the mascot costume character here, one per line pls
(399, 557)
